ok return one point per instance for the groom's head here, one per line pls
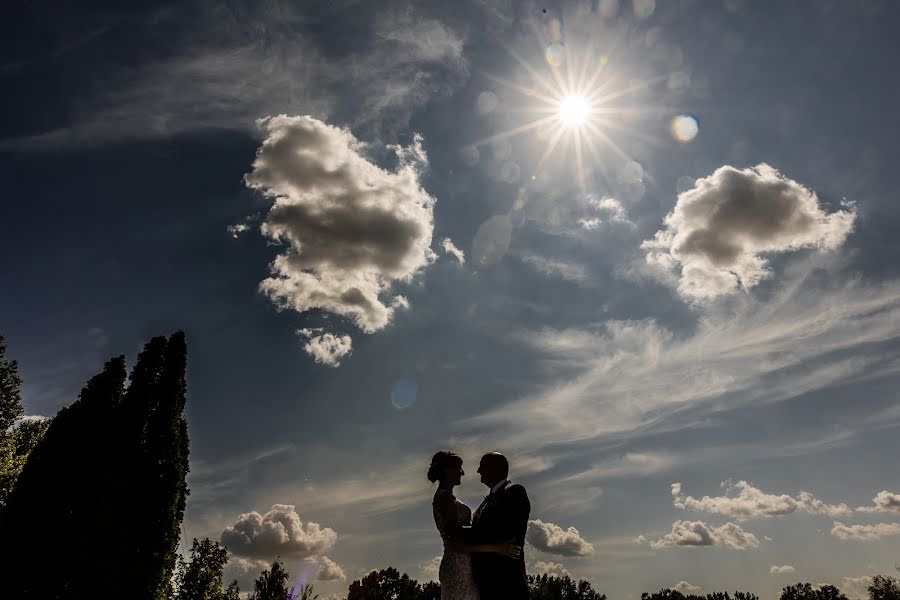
(493, 468)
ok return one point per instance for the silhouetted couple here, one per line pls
(483, 557)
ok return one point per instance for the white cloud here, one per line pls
(778, 570)
(279, 532)
(686, 588)
(328, 570)
(550, 568)
(864, 532)
(451, 249)
(884, 501)
(698, 533)
(244, 570)
(722, 229)
(555, 268)
(350, 228)
(856, 587)
(612, 208)
(326, 348)
(431, 568)
(237, 229)
(590, 224)
(553, 539)
(753, 503)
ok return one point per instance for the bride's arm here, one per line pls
(455, 533)
(507, 549)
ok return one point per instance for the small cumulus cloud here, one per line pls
(721, 230)
(237, 229)
(278, 532)
(450, 249)
(431, 568)
(553, 539)
(98, 336)
(684, 587)
(349, 228)
(864, 533)
(326, 348)
(752, 503)
(698, 533)
(550, 568)
(778, 570)
(884, 502)
(244, 570)
(328, 570)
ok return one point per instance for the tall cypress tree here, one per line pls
(97, 509)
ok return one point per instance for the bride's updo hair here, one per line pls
(440, 462)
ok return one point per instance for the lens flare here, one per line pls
(574, 110)
(685, 128)
(554, 54)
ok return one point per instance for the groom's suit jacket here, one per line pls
(503, 516)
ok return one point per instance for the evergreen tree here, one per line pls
(103, 492)
(271, 585)
(201, 578)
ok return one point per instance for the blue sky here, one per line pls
(718, 311)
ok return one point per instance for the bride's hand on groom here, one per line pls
(509, 549)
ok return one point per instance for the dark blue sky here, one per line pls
(757, 343)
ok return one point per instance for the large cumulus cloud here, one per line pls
(553, 539)
(720, 231)
(349, 228)
(278, 532)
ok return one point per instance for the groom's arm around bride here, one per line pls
(503, 516)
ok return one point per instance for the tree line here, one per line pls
(92, 500)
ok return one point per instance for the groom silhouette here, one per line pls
(503, 516)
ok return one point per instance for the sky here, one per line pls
(643, 248)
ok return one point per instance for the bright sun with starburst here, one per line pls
(574, 101)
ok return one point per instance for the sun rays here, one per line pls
(576, 105)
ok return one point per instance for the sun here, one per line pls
(578, 103)
(574, 110)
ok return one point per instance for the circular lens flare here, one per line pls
(574, 110)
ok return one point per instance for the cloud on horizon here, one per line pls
(884, 502)
(721, 231)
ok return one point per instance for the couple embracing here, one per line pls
(483, 558)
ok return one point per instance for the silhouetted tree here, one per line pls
(669, 594)
(17, 440)
(386, 584)
(306, 592)
(271, 584)
(201, 578)
(232, 592)
(884, 588)
(105, 486)
(805, 591)
(430, 591)
(548, 587)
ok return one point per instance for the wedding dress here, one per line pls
(456, 568)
